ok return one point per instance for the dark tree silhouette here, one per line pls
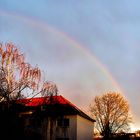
(111, 112)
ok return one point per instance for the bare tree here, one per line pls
(49, 89)
(111, 112)
(17, 77)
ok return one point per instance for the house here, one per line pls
(55, 118)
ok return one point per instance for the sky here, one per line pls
(86, 47)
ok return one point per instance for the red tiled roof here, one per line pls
(39, 101)
(33, 102)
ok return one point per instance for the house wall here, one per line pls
(73, 127)
(51, 131)
(70, 131)
(84, 129)
(79, 128)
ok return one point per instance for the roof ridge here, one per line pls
(79, 110)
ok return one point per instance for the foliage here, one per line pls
(111, 112)
(17, 77)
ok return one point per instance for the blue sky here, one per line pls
(108, 29)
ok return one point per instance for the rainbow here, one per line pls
(44, 26)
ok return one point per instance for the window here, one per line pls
(63, 122)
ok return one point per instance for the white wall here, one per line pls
(70, 132)
(79, 129)
(84, 129)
